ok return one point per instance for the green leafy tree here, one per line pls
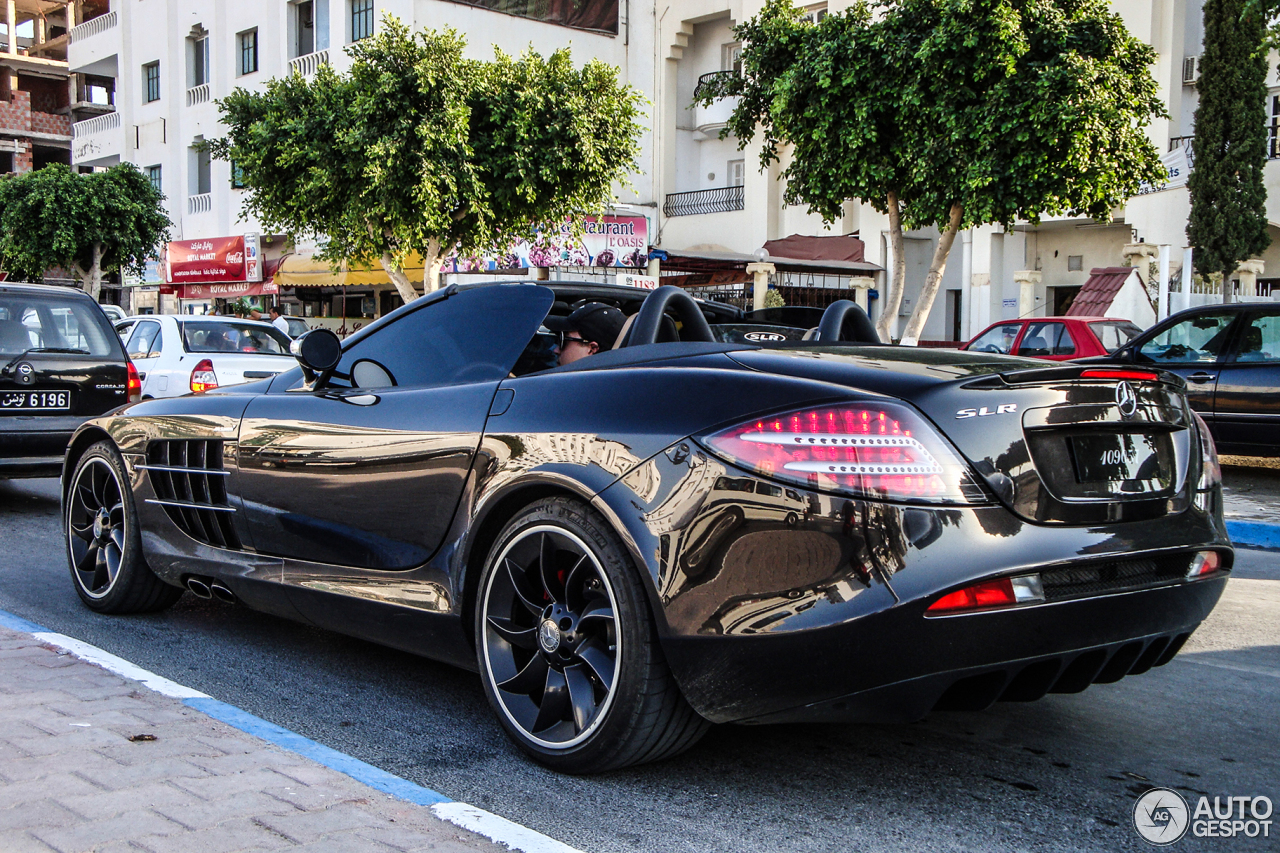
(420, 150)
(1228, 222)
(949, 113)
(90, 224)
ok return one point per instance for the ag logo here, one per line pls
(26, 374)
(1161, 816)
(1126, 399)
(764, 336)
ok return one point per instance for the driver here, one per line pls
(590, 329)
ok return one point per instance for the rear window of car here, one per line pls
(998, 339)
(1113, 334)
(230, 336)
(49, 321)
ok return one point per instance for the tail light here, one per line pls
(1204, 563)
(1002, 592)
(203, 378)
(876, 450)
(1135, 375)
(1210, 469)
(135, 384)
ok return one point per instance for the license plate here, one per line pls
(34, 400)
(1115, 457)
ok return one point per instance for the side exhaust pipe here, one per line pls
(222, 593)
(199, 588)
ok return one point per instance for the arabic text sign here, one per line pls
(210, 259)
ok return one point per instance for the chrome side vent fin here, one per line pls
(190, 483)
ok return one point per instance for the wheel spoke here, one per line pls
(555, 701)
(524, 638)
(582, 696)
(598, 609)
(101, 575)
(87, 558)
(113, 561)
(117, 539)
(599, 661)
(84, 532)
(117, 514)
(85, 492)
(547, 564)
(518, 584)
(99, 486)
(574, 581)
(528, 679)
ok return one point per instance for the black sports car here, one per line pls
(676, 531)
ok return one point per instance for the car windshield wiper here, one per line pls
(20, 356)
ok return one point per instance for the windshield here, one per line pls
(232, 336)
(49, 321)
(1113, 334)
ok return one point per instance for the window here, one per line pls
(814, 14)
(230, 336)
(1261, 342)
(153, 174)
(737, 172)
(1194, 340)
(1044, 339)
(200, 165)
(248, 44)
(998, 339)
(198, 56)
(151, 82)
(1075, 263)
(361, 19)
(145, 340)
(304, 28)
(1273, 130)
(237, 176)
(731, 57)
(1114, 334)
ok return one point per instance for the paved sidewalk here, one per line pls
(90, 761)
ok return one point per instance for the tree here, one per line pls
(1228, 222)
(420, 150)
(90, 224)
(949, 113)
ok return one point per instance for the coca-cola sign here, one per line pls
(208, 260)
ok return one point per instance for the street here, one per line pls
(1059, 774)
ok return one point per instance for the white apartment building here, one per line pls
(700, 194)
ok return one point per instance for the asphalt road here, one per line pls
(1059, 774)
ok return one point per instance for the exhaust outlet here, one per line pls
(222, 593)
(199, 588)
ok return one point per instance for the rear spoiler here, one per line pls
(1077, 372)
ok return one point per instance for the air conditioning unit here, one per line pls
(1190, 70)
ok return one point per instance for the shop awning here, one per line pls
(306, 271)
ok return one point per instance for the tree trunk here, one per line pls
(395, 272)
(91, 278)
(896, 278)
(431, 266)
(1226, 287)
(911, 335)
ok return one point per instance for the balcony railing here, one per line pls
(309, 63)
(198, 94)
(94, 26)
(97, 124)
(202, 203)
(718, 200)
(707, 80)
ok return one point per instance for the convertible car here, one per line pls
(678, 531)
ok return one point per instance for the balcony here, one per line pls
(95, 46)
(198, 95)
(98, 141)
(719, 200)
(309, 63)
(709, 120)
(202, 203)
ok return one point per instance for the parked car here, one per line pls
(297, 326)
(678, 530)
(1229, 356)
(60, 364)
(1054, 338)
(177, 354)
(114, 312)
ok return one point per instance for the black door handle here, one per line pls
(1202, 377)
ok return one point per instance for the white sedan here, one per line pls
(177, 354)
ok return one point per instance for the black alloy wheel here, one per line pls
(103, 542)
(567, 649)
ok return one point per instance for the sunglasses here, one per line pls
(565, 340)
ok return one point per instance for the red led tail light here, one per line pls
(997, 593)
(135, 384)
(1135, 375)
(203, 378)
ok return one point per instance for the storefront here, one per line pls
(227, 275)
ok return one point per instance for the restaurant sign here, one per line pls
(604, 241)
(214, 259)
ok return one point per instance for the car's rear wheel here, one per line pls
(567, 648)
(104, 544)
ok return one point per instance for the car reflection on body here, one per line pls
(680, 531)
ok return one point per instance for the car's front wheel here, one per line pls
(567, 648)
(104, 544)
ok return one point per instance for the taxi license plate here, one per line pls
(34, 400)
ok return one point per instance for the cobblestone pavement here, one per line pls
(90, 761)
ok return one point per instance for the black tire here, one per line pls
(104, 543)
(591, 692)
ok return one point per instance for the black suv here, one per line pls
(61, 363)
(1230, 357)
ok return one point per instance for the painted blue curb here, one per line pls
(379, 780)
(17, 623)
(1254, 534)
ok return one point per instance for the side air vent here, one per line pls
(190, 483)
(1118, 576)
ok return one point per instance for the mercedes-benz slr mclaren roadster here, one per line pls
(678, 531)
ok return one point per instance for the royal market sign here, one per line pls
(214, 259)
(604, 241)
(227, 290)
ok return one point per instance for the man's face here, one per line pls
(574, 347)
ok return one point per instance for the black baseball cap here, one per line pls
(595, 321)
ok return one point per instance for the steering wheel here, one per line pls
(648, 321)
(845, 315)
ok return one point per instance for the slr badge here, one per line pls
(1002, 409)
(1126, 400)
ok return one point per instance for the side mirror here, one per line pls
(318, 351)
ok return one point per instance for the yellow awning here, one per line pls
(306, 271)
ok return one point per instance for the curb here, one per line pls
(495, 828)
(1254, 534)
